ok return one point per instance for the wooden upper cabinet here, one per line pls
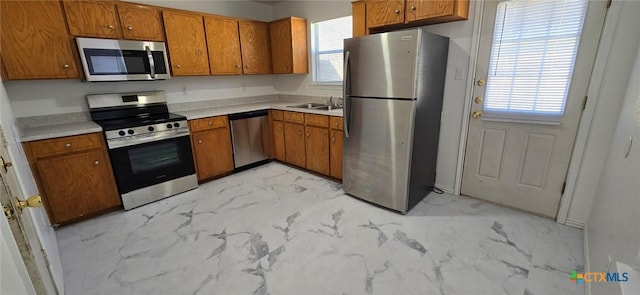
(35, 44)
(437, 10)
(92, 18)
(359, 12)
(254, 41)
(187, 44)
(140, 22)
(289, 54)
(384, 12)
(223, 40)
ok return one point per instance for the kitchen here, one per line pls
(67, 96)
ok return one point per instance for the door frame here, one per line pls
(17, 274)
(584, 125)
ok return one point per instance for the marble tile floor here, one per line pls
(279, 230)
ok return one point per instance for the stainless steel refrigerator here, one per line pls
(393, 89)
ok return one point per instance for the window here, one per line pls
(326, 49)
(532, 56)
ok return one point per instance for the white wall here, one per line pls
(613, 224)
(46, 97)
(609, 100)
(237, 8)
(452, 110)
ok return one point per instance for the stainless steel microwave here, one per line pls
(123, 60)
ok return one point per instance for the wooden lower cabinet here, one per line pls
(294, 144)
(74, 183)
(212, 147)
(317, 149)
(335, 153)
(278, 141)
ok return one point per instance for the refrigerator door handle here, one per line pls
(345, 95)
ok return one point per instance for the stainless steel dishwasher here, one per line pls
(249, 134)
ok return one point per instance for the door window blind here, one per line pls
(327, 46)
(534, 48)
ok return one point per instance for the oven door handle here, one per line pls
(152, 64)
(140, 139)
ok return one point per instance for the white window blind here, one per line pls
(327, 44)
(532, 56)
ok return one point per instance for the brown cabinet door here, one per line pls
(278, 141)
(213, 152)
(35, 44)
(281, 46)
(187, 45)
(254, 41)
(317, 149)
(140, 22)
(384, 12)
(294, 138)
(421, 9)
(77, 185)
(92, 18)
(335, 152)
(223, 40)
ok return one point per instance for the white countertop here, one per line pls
(47, 131)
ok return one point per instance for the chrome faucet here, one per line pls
(331, 100)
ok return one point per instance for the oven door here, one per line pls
(143, 165)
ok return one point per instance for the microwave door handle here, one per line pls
(345, 94)
(152, 64)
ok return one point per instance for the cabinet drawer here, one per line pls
(316, 120)
(58, 146)
(209, 123)
(335, 123)
(294, 117)
(277, 115)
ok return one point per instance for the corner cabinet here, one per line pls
(74, 176)
(289, 54)
(211, 142)
(254, 40)
(187, 43)
(35, 43)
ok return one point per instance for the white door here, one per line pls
(14, 278)
(36, 238)
(528, 98)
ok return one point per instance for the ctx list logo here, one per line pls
(597, 277)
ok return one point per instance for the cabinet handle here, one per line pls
(129, 28)
(413, 8)
(200, 141)
(178, 66)
(96, 162)
(110, 27)
(66, 66)
(67, 145)
(397, 11)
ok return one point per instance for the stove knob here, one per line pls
(176, 125)
(169, 126)
(121, 133)
(130, 131)
(151, 128)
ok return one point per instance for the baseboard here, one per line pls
(587, 265)
(575, 223)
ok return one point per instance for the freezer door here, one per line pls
(377, 150)
(383, 65)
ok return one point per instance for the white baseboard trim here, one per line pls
(575, 223)
(587, 265)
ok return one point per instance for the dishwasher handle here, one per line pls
(247, 115)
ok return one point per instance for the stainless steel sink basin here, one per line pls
(327, 108)
(309, 105)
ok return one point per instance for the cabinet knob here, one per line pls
(129, 28)
(66, 66)
(96, 162)
(210, 123)
(307, 134)
(110, 27)
(333, 139)
(178, 66)
(413, 8)
(199, 141)
(246, 66)
(67, 145)
(299, 132)
(397, 11)
(337, 124)
(238, 66)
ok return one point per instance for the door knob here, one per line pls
(33, 201)
(476, 115)
(481, 82)
(5, 164)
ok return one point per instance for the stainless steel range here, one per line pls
(150, 148)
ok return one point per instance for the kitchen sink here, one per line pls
(327, 108)
(316, 106)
